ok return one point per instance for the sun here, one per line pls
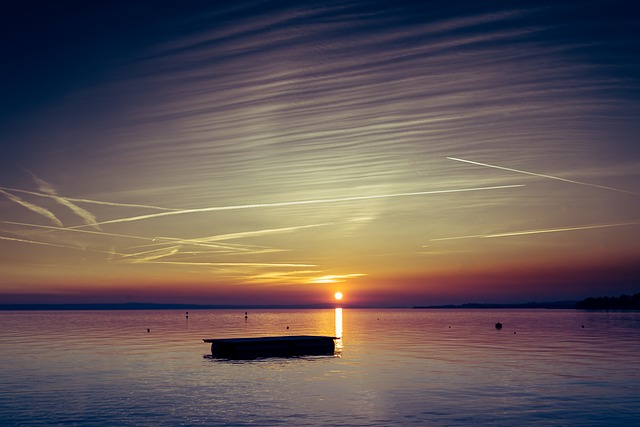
(338, 296)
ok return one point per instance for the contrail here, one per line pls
(33, 242)
(75, 230)
(245, 234)
(557, 230)
(152, 255)
(541, 175)
(95, 202)
(233, 264)
(195, 242)
(548, 230)
(34, 208)
(470, 236)
(294, 203)
(47, 188)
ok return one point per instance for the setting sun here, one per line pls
(338, 296)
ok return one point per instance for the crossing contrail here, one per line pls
(557, 178)
(34, 208)
(233, 264)
(33, 242)
(295, 203)
(95, 202)
(162, 240)
(87, 217)
(540, 231)
(557, 230)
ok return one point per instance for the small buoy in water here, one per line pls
(246, 316)
(514, 332)
(582, 326)
(287, 327)
(498, 325)
(186, 315)
(449, 326)
(148, 330)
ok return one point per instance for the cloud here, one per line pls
(302, 202)
(87, 217)
(540, 231)
(255, 233)
(95, 202)
(33, 242)
(234, 264)
(34, 208)
(541, 175)
(334, 278)
(55, 245)
(147, 256)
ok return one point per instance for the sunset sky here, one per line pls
(272, 152)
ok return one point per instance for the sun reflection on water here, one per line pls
(338, 333)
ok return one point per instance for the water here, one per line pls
(393, 367)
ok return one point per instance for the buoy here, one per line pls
(148, 330)
(498, 325)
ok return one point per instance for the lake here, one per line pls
(392, 367)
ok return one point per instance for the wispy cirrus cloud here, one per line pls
(335, 278)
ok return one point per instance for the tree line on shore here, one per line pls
(623, 302)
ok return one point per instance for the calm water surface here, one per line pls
(393, 367)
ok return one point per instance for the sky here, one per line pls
(274, 152)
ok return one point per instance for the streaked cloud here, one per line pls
(46, 188)
(33, 208)
(335, 278)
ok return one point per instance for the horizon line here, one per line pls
(245, 307)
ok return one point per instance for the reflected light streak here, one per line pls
(338, 334)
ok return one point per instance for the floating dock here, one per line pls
(283, 346)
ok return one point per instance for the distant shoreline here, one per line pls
(149, 306)
(161, 306)
(622, 302)
(472, 305)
